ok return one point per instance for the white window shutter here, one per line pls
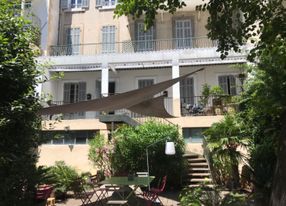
(98, 3)
(64, 4)
(85, 4)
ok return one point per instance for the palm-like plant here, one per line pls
(223, 139)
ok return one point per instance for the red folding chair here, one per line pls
(153, 195)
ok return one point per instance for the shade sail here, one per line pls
(153, 107)
(115, 102)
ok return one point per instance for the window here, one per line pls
(106, 3)
(145, 83)
(74, 4)
(73, 41)
(145, 39)
(193, 135)
(187, 91)
(74, 92)
(68, 137)
(108, 39)
(228, 84)
(183, 34)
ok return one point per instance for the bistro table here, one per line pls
(127, 181)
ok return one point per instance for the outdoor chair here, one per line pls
(82, 193)
(100, 192)
(153, 195)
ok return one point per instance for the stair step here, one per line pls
(198, 169)
(197, 160)
(199, 185)
(199, 174)
(198, 164)
(200, 180)
(191, 155)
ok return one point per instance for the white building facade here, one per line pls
(101, 56)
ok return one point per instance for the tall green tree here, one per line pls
(19, 122)
(234, 23)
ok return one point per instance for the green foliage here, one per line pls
(223, 139)
(148, 9)
(130, 145)
(199, 196)
(234, 199)
(206, 92)
(234, 22)
(216, 91)
(99, 154)
(19, 123)
(63, 178)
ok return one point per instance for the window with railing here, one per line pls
(106, 3)
(108, 39)
(183, 33)
(74, 4)
(74, 92)
(228, 84)
(144, 38)
(187, 91)
(73, 41)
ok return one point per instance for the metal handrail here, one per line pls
(130, 46)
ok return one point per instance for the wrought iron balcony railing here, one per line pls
(207, 106)
(131, 46)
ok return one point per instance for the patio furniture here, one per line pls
(117, 202)
(99, 192)
(84, 194)
(153, 194)
(116, 184)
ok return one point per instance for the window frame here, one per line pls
(189, 139)
(108, 46)
(236, 85)
(144, 38)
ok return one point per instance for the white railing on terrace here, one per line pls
(131, 46)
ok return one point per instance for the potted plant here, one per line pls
(217, 93)
(204, 99)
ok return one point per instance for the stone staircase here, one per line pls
(198, 171)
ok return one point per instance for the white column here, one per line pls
(176, 88)
(104, 81)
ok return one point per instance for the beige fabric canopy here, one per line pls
(153, 107)
(125, 100)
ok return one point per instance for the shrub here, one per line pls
(130, 145)
(64, 178)
(199, 196)
(99, 154)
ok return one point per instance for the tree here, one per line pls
(262, 22)
(19, 122)
(224, 140)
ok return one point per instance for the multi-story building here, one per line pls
(101, 55)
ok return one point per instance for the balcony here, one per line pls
(191, 106)
(92, 49)
(208, 106)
